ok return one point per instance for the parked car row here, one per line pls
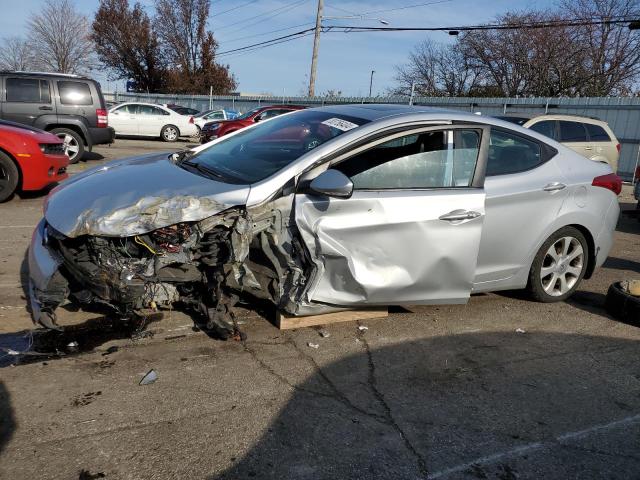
(212, 130)
(69, 106)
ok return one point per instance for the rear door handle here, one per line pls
(554, 187)
(45, 108)
(458, 215)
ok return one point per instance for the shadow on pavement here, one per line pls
(622, 264)
(481, 405)
(7, 422)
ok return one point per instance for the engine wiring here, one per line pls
(139, 241)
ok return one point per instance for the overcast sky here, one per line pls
(345, 60)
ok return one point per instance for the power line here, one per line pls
(268, 14)
(464, 28)
(267, 33)
(236, 54)
(468, 28)
(234, 8)
(267, 42)
(405, 7)
(341, 9)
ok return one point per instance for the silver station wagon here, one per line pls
(327, 209)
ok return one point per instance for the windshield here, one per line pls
(244, 116)
(202, 114)
(257, 153)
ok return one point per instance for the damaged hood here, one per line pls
(135, 196)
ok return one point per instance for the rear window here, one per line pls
(28, 90)
(75, 93)
(546, 128)
(597, 133)
(572, 132)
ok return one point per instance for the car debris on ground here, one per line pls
(149, 378)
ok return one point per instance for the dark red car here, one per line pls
(212, 130)
(30, 159)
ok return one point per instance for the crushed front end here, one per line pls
(205, 267)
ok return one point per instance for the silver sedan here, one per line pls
(327, 209)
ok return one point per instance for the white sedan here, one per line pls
(149, 120)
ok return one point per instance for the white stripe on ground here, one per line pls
(535, 446)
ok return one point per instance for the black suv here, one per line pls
(70, 106)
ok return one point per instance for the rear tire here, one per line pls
(559, 266)
(9, 177)
(169, 133)
(73, 143)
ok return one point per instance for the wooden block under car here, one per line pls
(286, 322)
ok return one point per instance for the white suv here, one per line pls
(589, 137)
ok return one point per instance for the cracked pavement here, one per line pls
(450, 392)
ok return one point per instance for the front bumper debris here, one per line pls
(47, 286)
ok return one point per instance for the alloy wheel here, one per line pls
(70, 145)
(562, 266)
(170, 134)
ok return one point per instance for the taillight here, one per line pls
(638, 172)
(103, 118)
(190, 119)
(618, 147)
(611, 182)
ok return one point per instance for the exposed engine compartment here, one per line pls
(205, 266)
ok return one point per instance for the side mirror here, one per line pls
(332, 183)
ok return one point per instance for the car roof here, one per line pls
(23, 73)
(568, 117)
(143, 103)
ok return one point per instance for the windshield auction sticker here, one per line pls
(340, 124)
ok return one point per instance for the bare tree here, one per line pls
(437, 69)
(15, 54)
(59, 38)
(611, 53)
(127, 44)
(190, 47)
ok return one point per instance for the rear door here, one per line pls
(151, 120)
(26, 99)
(574, 135)
(525, 191)
(410, 232)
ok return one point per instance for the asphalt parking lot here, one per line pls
(499, 388)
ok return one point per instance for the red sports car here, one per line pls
(213, 130)
(30, 159)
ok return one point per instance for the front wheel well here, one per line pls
(591, 266)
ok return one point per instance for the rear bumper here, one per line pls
(39, 172)
(102, 135)
(604, 240)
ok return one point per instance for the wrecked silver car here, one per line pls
(327, 209)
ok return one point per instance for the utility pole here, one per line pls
(371, 82)
(316, 45)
